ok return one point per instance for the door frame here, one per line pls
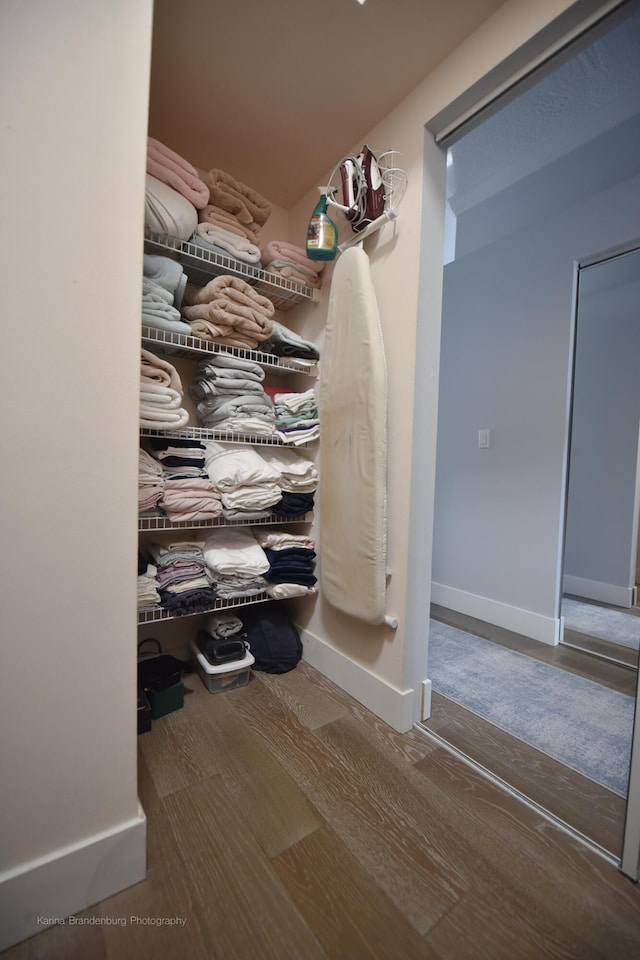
(559, 36)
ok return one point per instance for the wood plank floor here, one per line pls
(579, 802)
(286, 822)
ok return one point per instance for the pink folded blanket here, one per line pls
(191, 499)
(172, 169)
(236, 198)
(281, 250)
(291, 272)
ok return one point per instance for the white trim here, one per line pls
(425, 711)
(425, 419)
(550, 42)
(71, 879)
(630, 859)
(393, 706)
(525, 622)
(596, 590)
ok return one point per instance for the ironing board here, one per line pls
(353, 445)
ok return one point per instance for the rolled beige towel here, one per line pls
(228, 300)
(237, 198)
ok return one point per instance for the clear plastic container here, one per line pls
(225, 676)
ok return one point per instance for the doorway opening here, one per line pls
(537, 186)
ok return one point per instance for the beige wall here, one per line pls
(74, 103)
(399, 256)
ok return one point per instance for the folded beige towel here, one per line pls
(223, 334)
(229, 301)
(155, 370)
(236, 198)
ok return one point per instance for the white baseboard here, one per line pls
(533, 625)
(425, 706)
(47, 891)
(393, 706)
(596, 590)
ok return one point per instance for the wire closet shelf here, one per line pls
(202, 265)
(185, 346)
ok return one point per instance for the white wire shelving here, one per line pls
(187, 347)
(157, 522)
(203, 265)
(161, 613)
(203, 433)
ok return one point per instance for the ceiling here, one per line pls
(276, 93)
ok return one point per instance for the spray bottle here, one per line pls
(322, 233)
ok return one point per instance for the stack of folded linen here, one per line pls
(169, 167)
(181, 576)
(224, 243)
(248, 485)
(187, 492)
(285, 343)
(298, 481)
(150, 481)
(291, 563)
(230, 396)
(296, 416)
(234, 207)
(178, 458)
(158, 309)
(148, 596)
(161, 394)
(291, 262)
(190, 498)
(228, 311)
(236, 563)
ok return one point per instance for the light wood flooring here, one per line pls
(580, 803)
(285, 822)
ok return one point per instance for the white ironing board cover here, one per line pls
(353, 445)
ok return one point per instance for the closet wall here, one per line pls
(74, 101)
(74, 96)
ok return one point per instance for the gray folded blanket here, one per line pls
(285, 343)
(166, 273)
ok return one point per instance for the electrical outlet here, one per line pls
(484, 439)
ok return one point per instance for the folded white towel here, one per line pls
(239, 247)
(230, 552)
(231, 465)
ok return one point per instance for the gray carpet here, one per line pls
(616, 626)
(574, 720)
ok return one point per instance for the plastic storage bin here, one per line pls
(226, 676)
